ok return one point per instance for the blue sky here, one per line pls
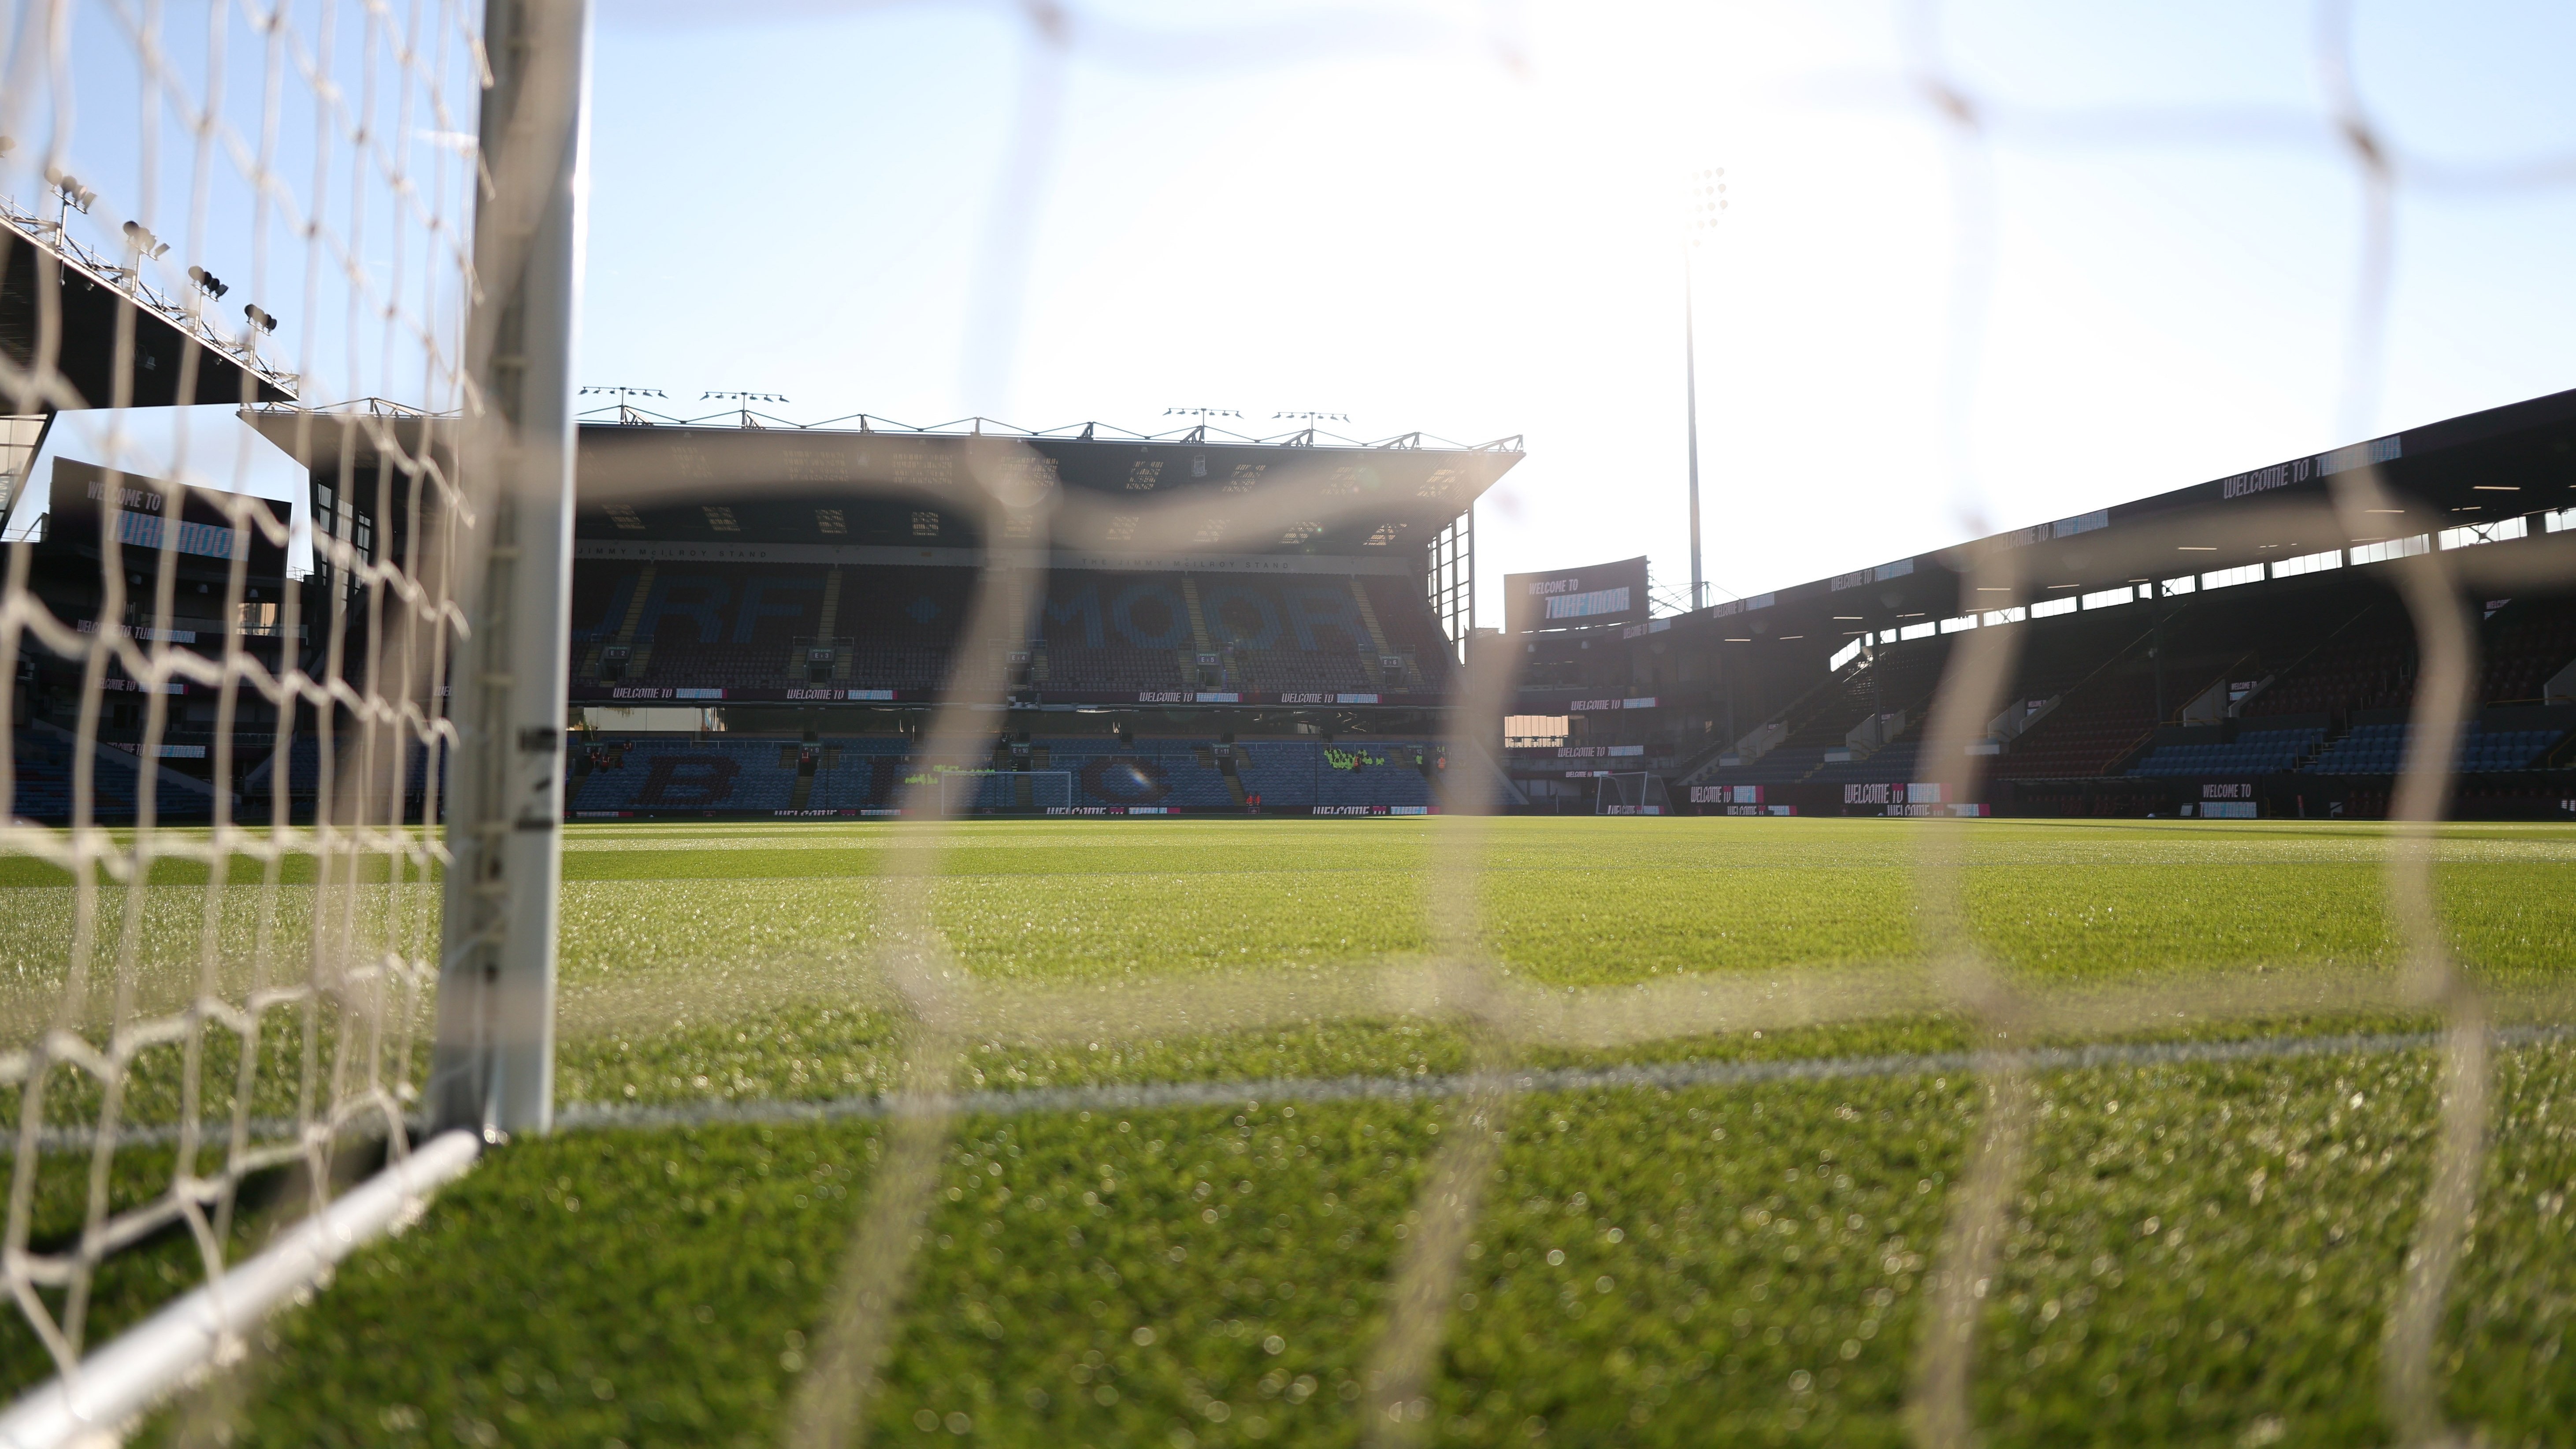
(1465, 218)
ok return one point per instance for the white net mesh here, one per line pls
(236, 249)
(215, 1000)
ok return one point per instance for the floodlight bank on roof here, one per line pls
(984, 427)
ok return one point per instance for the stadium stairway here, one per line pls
(2106, 703)
(1900, 677)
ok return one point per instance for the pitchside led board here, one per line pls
(1610, 593)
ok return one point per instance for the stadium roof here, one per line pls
(1298, 494)
(1197, 491)
(2502, 473)
(89, 290)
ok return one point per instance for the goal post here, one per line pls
(286, 606)
(1631, 792)
(494, 1065)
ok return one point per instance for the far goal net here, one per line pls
(1004, 792)
(1631, 793)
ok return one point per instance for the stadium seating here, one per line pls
(1892, 764)
(2529, 644)
(2092, 730)
(717, 626)
(1149, 772)
(1297, 774)
(734, 626)
(2256, 752)
(861, 773)
(1784, 765)
(676, 774)
(44, 780)
(2380, 749)
(304, 765)
(1902, 678)
(647, 773)
(2361, 673)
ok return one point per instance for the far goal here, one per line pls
(1004, 792)
(1631, 793)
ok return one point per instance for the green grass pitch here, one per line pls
(2202, 1252)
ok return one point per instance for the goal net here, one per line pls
(282, 357)
(1451, 1128)
(1004, 792)
(1631, 793)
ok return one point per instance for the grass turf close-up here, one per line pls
(1203, 1107)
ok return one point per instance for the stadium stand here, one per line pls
(2361, 671)
(1898, 680)
(43, 764)
(2378, 749)
(645, 775)
(2255, 752)
(2097, 725)
(1168, 773)
(2528, 643)
(738, 627)
(671, 774)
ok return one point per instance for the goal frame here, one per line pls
(1651, 798)
(492, 1050)
(492, 1068)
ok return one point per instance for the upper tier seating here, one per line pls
(737, 626)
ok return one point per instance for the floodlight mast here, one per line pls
(1198, 434)
(742, 402)
(1306, 437)
(1707, 203)
(627, 412)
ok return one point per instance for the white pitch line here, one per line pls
(610, 1116)
(591, 1117)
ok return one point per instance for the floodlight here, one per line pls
(212, 285)
(145, 244)
(76, 197)
(259, 318)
